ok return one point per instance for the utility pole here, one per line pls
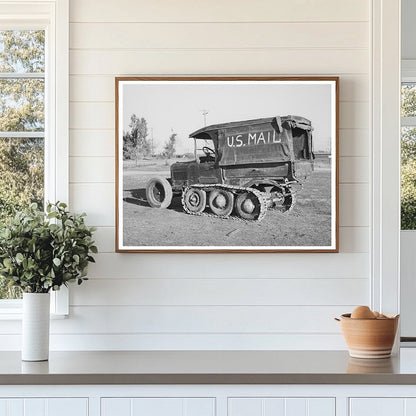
(204, 114)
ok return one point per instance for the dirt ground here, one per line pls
(308, 224)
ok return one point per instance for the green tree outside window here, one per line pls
(22, 87)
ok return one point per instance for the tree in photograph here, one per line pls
(128, 150)
(170, 147)
(135, 142)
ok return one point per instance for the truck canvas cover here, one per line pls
(265, 140)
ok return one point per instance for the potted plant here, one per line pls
(40, 252)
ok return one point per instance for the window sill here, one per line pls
(12, 309)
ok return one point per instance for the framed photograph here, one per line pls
(227, 164)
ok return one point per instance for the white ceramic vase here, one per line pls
(35, 326)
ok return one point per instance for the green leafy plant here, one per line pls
(43, 251)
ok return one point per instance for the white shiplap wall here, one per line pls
(218, 301)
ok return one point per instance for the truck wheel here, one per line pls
(159, 193)
(247, 206)
(283, 203)
(221, 202)
(194, 200)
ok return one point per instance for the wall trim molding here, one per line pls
(385, 99)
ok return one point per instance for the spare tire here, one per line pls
(159, 193)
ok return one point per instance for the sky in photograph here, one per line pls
(178, 107)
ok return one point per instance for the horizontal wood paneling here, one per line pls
(352, 239)
(92, 88)
(96, 199)
(352, 115)
(254, 265)
(92, 115)
(218, 11)
(218, 62)
(194, 320)
(93, 143)
(104, 238)
(101, 88)
(354, 142)
(354, 205)
(218, 35)
(354, 170)
(202, 319)
(146, 342)
(220, 291)
(322, 37)
(92, 169)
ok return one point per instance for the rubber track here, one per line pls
(261, 197)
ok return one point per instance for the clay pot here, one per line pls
(369, 338)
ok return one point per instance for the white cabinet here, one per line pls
(270, 406)
(382, 406)
(377, 407)
(146, 406)
(208, 400)
(44, 407)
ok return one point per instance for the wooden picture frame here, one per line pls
(263, 175)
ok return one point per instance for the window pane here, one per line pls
(21, 109)
(9, 292)
(408, 178)
(21, 173)
(408, 105)
(21, 182)
(22, 51)
(22, 104)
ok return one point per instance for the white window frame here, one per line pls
(408, 237)
(53, 17)
(385, 98)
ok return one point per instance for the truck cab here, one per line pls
(204, 169)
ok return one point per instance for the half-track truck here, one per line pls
(241, 169)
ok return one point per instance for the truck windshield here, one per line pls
(205, 150)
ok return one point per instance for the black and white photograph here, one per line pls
(234, 164)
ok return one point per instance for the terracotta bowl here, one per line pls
(369, 338)
(369, 366)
